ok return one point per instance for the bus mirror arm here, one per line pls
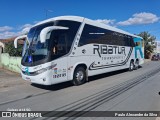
(46, 30)
(19, 38)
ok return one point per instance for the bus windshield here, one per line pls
(36, 51)
(57, 44)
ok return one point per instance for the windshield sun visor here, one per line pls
(44, 31)
(19, 38)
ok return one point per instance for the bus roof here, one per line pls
(87, 21)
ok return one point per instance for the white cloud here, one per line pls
(106, 21)
(25, 28)
(140, 18)
(6, 31)
(35, 22)
(7, 34)
(5, 28)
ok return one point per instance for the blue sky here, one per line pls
(134, 16)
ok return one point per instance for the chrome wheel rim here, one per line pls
(132, 66)
(137, 64)
(79, 76)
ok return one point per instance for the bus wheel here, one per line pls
(131, 67)
(79, 76)
(136, 65)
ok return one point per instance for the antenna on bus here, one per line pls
(47, 11)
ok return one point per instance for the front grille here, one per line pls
(29, 73)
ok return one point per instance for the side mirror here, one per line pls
(46, 30)
(19, 38)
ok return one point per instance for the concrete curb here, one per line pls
(147, 60)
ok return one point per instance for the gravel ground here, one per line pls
(10, 79)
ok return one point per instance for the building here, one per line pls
(5, 41)
(157, 47)
(1, 47)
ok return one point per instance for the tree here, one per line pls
(148, 43)
(9, 48)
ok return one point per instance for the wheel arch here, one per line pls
(81, 64)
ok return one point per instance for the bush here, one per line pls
(9, 48)
(148, 46)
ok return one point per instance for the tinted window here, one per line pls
(58, 43)
(37, 51)
(61, 40)
(89, 35)
(92, 34)
(71, 32)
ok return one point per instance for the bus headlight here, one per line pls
(41, 71)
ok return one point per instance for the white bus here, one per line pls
(72, 48)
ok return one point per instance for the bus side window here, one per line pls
(59, 45)
(62, 45)
(89, 35)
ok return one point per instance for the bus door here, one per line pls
(59, 54)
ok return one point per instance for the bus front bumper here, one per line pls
(38, 79)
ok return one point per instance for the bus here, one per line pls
(72, 48)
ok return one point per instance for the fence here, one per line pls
(10, 63)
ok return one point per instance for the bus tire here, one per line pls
(131, 66)
(136, 65)
(79, 76)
